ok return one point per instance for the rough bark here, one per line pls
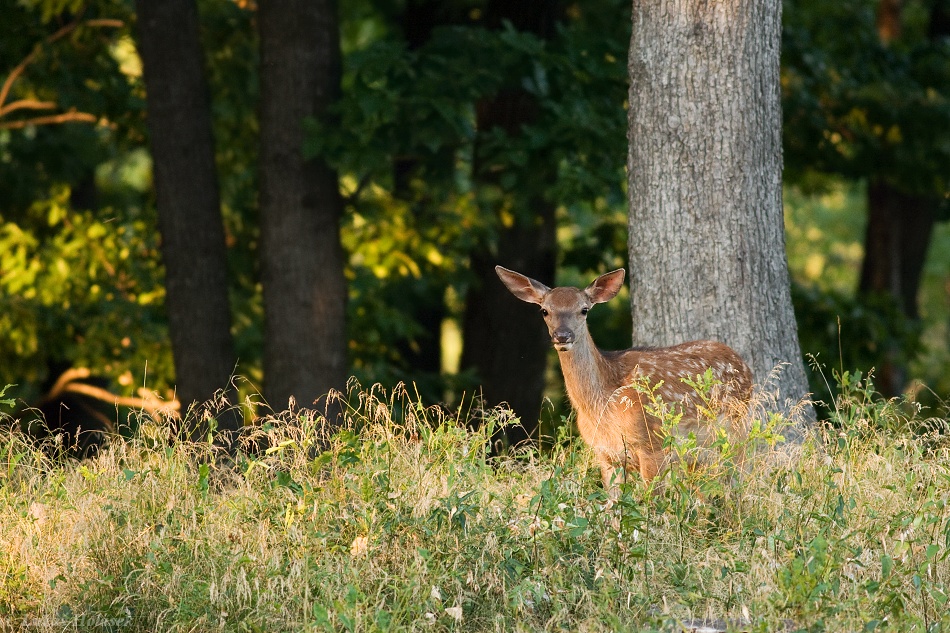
(300, 205)
(189, 214)
(504, 341)
(707, 245)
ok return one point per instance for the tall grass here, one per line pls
(402, 521)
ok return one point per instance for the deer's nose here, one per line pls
(562, 335)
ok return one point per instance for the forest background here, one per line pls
(427, 192)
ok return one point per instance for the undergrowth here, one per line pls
(402, 520)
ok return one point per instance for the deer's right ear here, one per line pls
(524, 288)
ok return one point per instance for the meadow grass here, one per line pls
(403, 521)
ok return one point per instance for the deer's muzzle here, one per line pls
(562, 337)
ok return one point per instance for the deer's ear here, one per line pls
(605, 287)
(524, 288)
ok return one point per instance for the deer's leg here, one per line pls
(608, 468)
(651, 463)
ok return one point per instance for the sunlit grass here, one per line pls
(402, 521)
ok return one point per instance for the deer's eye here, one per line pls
(584, 311)
(544, 312)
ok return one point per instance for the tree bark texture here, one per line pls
(300, 204)
(189, 213)
(504, 340)
(707, 244)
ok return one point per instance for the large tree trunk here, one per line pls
(707, 246)
(301, 256)
(189, 214)
(504, 340)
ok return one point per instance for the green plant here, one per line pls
(402, 520)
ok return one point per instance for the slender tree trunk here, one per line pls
(504, 341)
(895, 244)
(889, 20)
(939, 20)
(707, 245)
(895, 248)
(899, 225)
(189, 214)
(423, 298)
(301, 256)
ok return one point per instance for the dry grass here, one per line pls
(402, 522)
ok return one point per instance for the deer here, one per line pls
(612, 392)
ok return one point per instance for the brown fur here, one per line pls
(610, 390)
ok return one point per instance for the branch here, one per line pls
(150, 405)
(105, 22)
(29, 104)
(58, 35)
(74, 373)
(66, 117)
(148, 401)
(19, 68)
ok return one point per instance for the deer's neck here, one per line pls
(587, 376)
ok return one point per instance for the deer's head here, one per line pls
(564, 308)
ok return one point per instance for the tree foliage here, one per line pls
(81, 282)
(77, 236)
(864, 108)
(873, 108)
(408, 144)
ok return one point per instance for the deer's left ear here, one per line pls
(605, 287)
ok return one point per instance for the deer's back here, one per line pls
(643, 377)
(672, 366)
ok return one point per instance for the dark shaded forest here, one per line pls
(342, 180)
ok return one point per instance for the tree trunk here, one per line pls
(895, 248)
(889, 20)
(707, 245)
(189, 214)
(301, 256)
(424, 298)
(899, 227)
(504, 340)
(895, 244)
